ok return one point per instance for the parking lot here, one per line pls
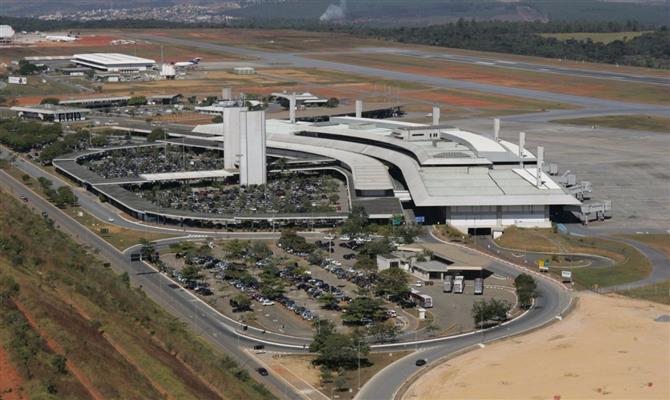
(306, 285)
(293, 192)
(451, 311)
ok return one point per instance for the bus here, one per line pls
(421, 299)
(479, 286)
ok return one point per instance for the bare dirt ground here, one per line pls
(609, 347)
(10, 380)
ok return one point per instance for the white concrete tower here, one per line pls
(522, 144)
(540, 161)
(359, 108)
(436, 115)
(231, 136)
(226, 93)
(291, 108)
(496, 129)
(253, 166)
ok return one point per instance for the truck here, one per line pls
(448, 284)
(459, 285)
(479, 286)
(543, 265)
(566, 276)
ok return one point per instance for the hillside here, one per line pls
(71, 328)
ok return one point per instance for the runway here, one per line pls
(587, 104)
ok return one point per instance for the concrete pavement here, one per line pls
(296, 60)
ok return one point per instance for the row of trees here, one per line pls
(27, 346)
(61, 197)
(25, 135)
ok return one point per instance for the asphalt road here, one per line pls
(552, 301)
(226, 334)
(590, 103)
(204, 321)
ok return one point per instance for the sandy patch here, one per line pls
(300, 366)
(609, 347)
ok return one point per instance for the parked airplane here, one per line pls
(186, 64)
(61, 38)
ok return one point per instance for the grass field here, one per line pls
(659, 241)
(630, 264)
(301, 365)
(637, 122)
(602, 37)
(660, 292)
(626, 91)
(118, 343)
(119, 237)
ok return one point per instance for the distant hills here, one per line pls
(387, 13)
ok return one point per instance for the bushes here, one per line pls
(525, 290)
(492, 310)
(23, 136)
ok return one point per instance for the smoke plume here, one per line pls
(335, 12)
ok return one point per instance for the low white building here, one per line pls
(51, 113)
(113, 62)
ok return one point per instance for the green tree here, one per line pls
(492, 310)
(357, 222)
(258, 250)
(384, 332)
(365, 263)
(137, 101)
(155, 134)
(191, 273)
(241, 302)
(392, 282)
(364, 308)
(50, 100)
(328, 301)
(59, 363)
(235, 248)
(525, 290)
(333, 102)
(315, 257)
(8, 288)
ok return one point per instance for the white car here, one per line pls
(419, 283)
(329, 237)
(345, 237)
(267, 302)
(110, 219)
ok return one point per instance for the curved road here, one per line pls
(552, 302)
(226, 334)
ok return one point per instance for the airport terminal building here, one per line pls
(430, 173)
(438, 173)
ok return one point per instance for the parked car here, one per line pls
(263, 371)
(421, 362)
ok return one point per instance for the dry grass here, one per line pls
(636, 122)
(630, 265)
(602, 37)
(301, 365)
(626, 91)
(119, 237)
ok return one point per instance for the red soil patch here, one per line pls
(10, 380)
(54, 346)
(460, 101)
